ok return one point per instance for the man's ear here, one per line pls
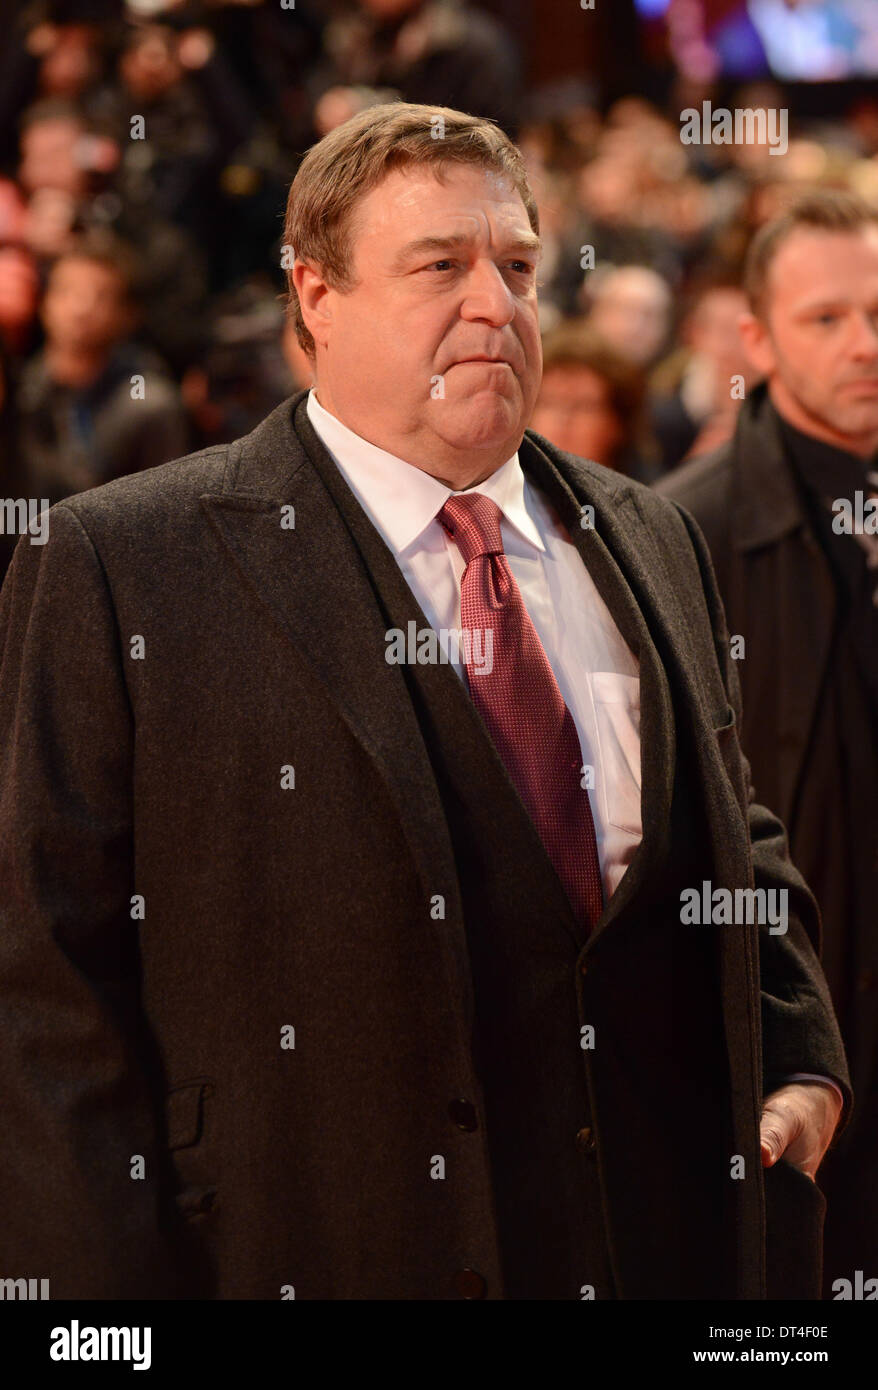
(313, 292)
(757, 342)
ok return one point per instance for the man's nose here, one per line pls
(487, 296)
(864, 342)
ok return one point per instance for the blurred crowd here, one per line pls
(146, 150)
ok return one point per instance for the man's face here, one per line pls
(574, 411)
(712, 329)
(819, 345)
(51, 156)
(632, 313)
(151, 68)
(445, 275)
(84, 307)
(72, 64)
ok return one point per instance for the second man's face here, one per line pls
(822, 298)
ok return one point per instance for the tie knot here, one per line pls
(473, 523)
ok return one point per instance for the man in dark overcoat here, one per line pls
(793, 535)
(385, 912)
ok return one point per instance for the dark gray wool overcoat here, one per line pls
(219, 823)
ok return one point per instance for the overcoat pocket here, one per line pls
(187, 1109)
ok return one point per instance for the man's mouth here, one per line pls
(462, 360)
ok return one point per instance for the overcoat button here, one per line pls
(468, 1283)
(463, 1114)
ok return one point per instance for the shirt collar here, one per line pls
(403, 500)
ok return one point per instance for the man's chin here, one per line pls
(482, 421)
(858, 421)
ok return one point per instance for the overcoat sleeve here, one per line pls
(800, 1032)
(82, 1185)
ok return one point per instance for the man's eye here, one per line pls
(520, 267)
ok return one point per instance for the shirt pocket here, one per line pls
(617, 721)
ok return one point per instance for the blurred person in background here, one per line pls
(591, 402)
(59, 150)
(270, 51)
(70, 58)
(561, 123)
(638, 202)
(50, 57)
(93, 404)
(19, 301)
(53, 174)
(697, 389)
(245, 373)
(67, 170)
(439, 52)
(338, 104)
(631, 311)
(194, 116)
(803, 593)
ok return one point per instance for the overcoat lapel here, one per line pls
(320, 596)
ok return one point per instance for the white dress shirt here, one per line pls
(597, 674)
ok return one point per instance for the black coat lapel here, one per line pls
(767, 511)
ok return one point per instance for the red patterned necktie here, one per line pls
(518, 698)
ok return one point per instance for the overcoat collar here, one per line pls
(766, 505)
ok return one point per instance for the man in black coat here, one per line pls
(327, 971)
(785, 508)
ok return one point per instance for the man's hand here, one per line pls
(798, 1122)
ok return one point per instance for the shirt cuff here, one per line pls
(824, 1080)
